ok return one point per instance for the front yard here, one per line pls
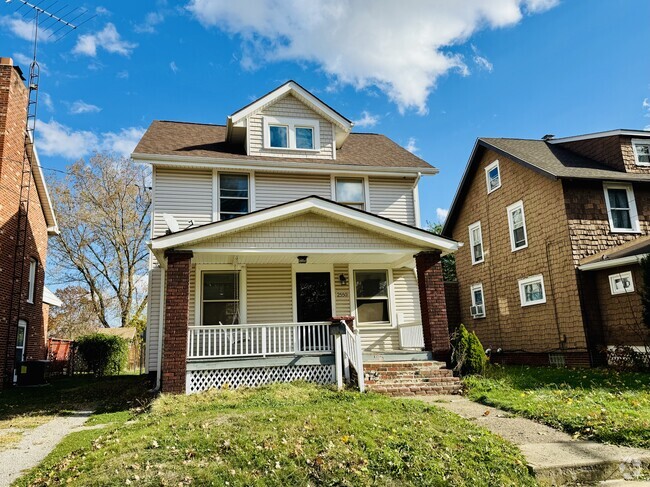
(598, 404)
(286, 434)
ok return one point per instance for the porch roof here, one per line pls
(411, 238)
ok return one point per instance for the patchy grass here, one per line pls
(287, 434)
(597, 404)
(8, 439)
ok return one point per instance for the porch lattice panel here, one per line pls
(201, 380)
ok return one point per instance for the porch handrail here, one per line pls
(353, 354)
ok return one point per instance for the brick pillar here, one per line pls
(177, 308)
(432, 304)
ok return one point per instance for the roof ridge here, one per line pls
(191, 123)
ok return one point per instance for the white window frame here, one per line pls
(487, 176)
(23, 347)
(636, 154)
(291, 124)
(33, 265)
(473, 288)
(198, 289)
(621, 275)
(634, 215)
(522, 291)
(216, 196)
(519, 204)
(472, 243)
(366, 188)
(392, 315)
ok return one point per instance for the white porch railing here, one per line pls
(252, 340)
(353, 355)
(411, 335)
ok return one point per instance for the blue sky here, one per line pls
(431, 75)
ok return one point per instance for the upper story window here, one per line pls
(291, 133)
(621, 208)
(233, 195)
(531, 290)
(32, 280)
(478, 307)
(476, 242)
(621, 283)
(493, 177)
(351, 192)
(517, 225)
(371, 292)
(220, 298)
(641, 151)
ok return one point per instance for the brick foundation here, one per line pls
(177, 301)
(432, 304)
(571, 359)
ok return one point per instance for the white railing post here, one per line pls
(338, 361)
(359, 365)
(264, 341)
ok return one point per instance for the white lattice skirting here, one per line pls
(201, 380)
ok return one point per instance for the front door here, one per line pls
(21, 341)
(313, 303)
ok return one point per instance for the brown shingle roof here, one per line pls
(203, 140)
(638, 246)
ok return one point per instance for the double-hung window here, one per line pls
(517, 225)
(371, 293)
(233, 195)
(493, 177)
(291, 133)
(476, 242)
(641, 149)
(478, 306)
(621, 283)
(350, 192)
(32, 280)
(220, 298)
(531, 290)
(621, 208)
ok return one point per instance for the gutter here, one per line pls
(608, 264)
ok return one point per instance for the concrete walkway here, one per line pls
(554, 456)
(36, 444)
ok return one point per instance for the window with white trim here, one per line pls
(621, 207)
(476, 242)
(478, 305)
(531, 290)
(621, 283)
(493, 177)
(350, 192)
(517, 225)
(220, 298)
(33, 264)
(641, 149)
(291, 133)
(371, 294)
(233, 195)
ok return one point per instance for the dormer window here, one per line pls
(641, 151)
(291, 133)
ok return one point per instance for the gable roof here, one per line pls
(541, 156)
(184, 141)
(598, 135)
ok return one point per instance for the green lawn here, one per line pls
(286, 434)
(598, 404)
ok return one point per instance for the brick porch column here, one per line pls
(177, 307)
(432, 304)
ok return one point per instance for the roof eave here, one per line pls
(598, 135)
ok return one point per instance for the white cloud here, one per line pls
(80, 106)
(481, 61)
(647, 127)
(646, 106)
(46, 99)
(151, 20)
(367, 120)
(108, 39)
(102, 11)
(442, 213)
(56, 139)
(123, 74)
(402, 48)
(410, 145)
(173, 67)
(24, 28)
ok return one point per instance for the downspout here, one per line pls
(161, 329)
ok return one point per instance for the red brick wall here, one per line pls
(13, 100)
(432, 304)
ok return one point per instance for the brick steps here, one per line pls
(411, 378)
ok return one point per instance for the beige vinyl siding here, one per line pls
(186, 194)
(392, 198)
(274, 189)
(154, 313)
(407, 297)
(379, 340)
(342, 292)
(289, 107)
(269, 297)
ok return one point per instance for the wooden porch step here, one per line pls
(410, 378)
(416, 389)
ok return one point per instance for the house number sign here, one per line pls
(341, 294)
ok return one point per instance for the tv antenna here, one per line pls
(53, 23)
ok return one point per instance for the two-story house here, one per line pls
(555, 230)
(267, 228)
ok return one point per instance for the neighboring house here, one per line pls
(25, 338)
(266, 228)
(554, 230)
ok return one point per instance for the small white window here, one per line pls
(517, 225)
(531, 290)
(279, 136)
(477, 309)
(233, 195)
(476, 242)
(621, 283)
(641, 151)
(493, 177)
(291, 133)
(304, 137)
(350, 192)
(621, 208)
(32, 280)
(371, 293)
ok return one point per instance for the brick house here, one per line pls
(554, 230)
(25, 338)
(266, 229)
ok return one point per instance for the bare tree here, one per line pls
(75, 317)
(103, 210)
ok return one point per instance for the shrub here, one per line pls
(103, 354)
(627, 358)
(467, 355)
